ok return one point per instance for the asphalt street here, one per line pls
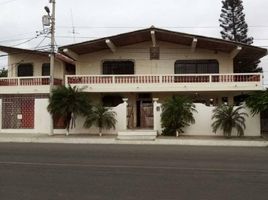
(57, 171)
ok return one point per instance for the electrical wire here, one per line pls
(141, 27)
(25, 57)
(25, 41)
(6, 2)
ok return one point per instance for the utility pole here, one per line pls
(52, 59)
(49, 20)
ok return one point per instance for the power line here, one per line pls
(25, 41)
(138, 27)
(6, 2)
(25, 57)
(14, 40)
(93, 37)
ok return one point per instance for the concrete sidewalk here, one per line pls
(108, 139)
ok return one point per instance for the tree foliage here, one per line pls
(3, 72)
(228, 118)
(257, 102)
(68, 102)
(102, 117)
(177, 114)
(232, 21)
(234, 28)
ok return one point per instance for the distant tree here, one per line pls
(3, 72)
(232, 21)
(258, 102)
(234, 28)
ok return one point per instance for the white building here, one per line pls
(134, 73)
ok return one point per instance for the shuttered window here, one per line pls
(25, 70)
(46, 69)
(118, 67)
(196, 67)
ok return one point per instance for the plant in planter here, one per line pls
(227, 118)
(102, 117)
(68, 102)
(177, 114)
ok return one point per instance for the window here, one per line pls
(111, 100)
(25, 70)
(154, 53)
(69, 69)
(118, 67)
(46, 69)
(196, 67)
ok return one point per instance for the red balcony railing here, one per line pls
(163, 79)
(28, 81)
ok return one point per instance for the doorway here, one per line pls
(144, 111)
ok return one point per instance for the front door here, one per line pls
(145, 114)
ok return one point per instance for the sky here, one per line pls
(82, 20)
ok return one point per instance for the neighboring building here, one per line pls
(134, 73)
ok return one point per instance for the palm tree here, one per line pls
(257, 102)
(68, 102)
(228, 118)
(177, 113)
(102, 117)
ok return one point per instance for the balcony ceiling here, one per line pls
(217, 45)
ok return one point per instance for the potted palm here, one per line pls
(68, 102)
(177, 114)
(227, 118)
(102, 117)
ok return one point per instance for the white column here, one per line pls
(157, 113)
(125, 113)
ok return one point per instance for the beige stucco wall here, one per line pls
(37, 61)
(202, 125)
(139, 53)
(121, 112)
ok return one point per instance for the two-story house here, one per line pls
(133, 72)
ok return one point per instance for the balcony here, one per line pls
(167, 83)
(28, 85)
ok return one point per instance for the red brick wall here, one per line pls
(12, 106)
(27, 111)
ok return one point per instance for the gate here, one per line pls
(146, 115)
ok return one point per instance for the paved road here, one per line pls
(114, 172)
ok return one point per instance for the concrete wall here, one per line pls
(139, 53)
(36, 61)
(202, 125)
(42, 116)
(121, 113)
(41, 119)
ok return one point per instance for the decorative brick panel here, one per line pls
(18, 112)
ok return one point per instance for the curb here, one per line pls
(179, 142)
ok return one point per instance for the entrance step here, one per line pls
(137, 135)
